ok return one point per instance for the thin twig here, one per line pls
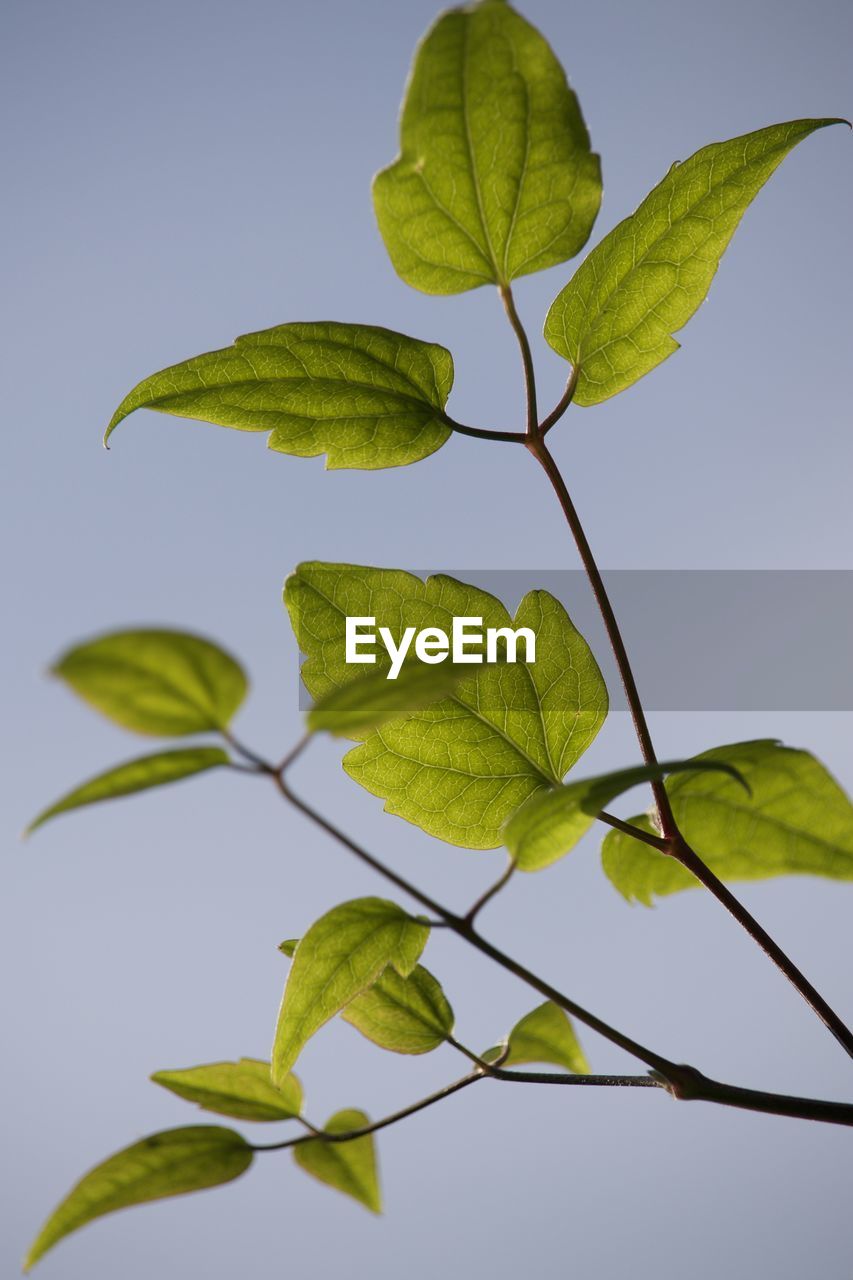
(562, 404)
(472, 913)
(526, 358)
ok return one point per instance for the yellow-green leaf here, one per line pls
(243, 1090)
(348, 1166)
(166, 683)
(373, 699)
(495, 176)
(546, 1034)
(341, 955)
(405, 1015)
(166, 1164)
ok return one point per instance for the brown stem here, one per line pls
(526, 359)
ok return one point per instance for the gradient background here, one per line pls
(178, 173)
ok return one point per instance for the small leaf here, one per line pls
(243, 1090)
(546, 1034)
(347, 1166)
(405, 1015)
(495, 176)
(615, 318)
(373, 699)
(136, 775)
(365, 397)
(167, 683)
(288, 947)
(341, 955)
(460, 767)
(551, 823)
(166, 1164)
(795, 820)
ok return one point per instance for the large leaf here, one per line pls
(551, 823)
(243, 1090)
(495, 176)
(166, 1164)
(342, 954)
(460, 767)
(546, 1034)
(405, 1015)
(615, 318)
(136, 775)
(365, 397)
(167, 683)
(347, 1166)
(796, 819)
(373, 699)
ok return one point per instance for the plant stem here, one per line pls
(526, 358)
(472, 913)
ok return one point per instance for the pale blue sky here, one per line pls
(178, 173)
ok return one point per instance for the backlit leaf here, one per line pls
(373, 699)
(616, 316)
(796, 820)
(243, 1090)
(495, 176)
(136, 775)
(460, 767)
(347, 1166)
(342, 954)
(546, 1034)
(405, 1015)
(166, 1164)
(166, 683)
(551, 823)
(366, 397)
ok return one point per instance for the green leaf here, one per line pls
(796, 820)
(551, 823)
(166, 1164)
(371, 700)
(288, 947)
(405, 1015)
(243, 1090)
(546, 1034)
(460, 767)
(347, 1166)
(366, 397)
(342, 954)
(167, 683)
(136, 775)
(615, 318)
(495, 177)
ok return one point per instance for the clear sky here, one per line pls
(178, 173)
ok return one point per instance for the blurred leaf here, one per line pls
(373, 699)
(495, 177)
(243, 1090)
(796, 820)
(615, 318)
(342, 954)
(459, 767)
(166, 1164)
(366, 397)
(347, 1166)
(166, 683)
(136, 775)
(546, 1034)
(288, 947)
(551, 823)
(405, 1015)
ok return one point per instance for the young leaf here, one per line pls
(459, 767)
(546, 1034)
(495, 176)
(166, 1164)
(166, 683)
(243, 1090)
(795, 820)
(347, 1166)
(405, 1015)
(136, 775)
(342, 954)
(551, 823)
(371, 700)
(615, 318)
(366, 397)
(288, 947)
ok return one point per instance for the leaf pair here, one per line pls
(163, 683)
